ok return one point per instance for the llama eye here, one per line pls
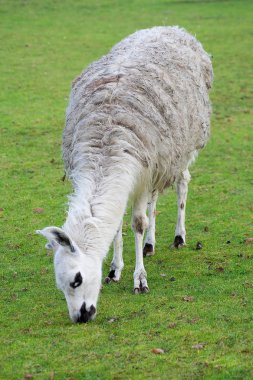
(77, 281)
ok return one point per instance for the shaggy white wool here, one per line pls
(136, 119)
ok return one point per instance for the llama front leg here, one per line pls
(117, 263)
(139, 224)
(182, 190)
(149, 246)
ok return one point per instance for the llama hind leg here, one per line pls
(139, 224)
(182, 190)
(117, 263)
(149, 246)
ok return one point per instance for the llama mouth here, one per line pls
(86, 315)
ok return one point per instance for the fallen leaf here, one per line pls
(157, 351)
(51, 377)
(246, 351)
(172, 325)
(192, 321)
(188, 298)
(199, 346)
(219, 269)
(112, 320)
(27, 331)
(1, 209)
(247, 284)
(248, 241)
(163, 275)
(14, 297)
(28, 376)
(38, 210)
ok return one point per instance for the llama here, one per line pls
(136, 120)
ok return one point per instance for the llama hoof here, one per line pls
(148, 250)
(113, 276)
(145, 289)
(108, 280)
(178, 242)
(141, 289)
(110, 276)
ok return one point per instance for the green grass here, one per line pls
(44, 45)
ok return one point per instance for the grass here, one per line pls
(44, 45)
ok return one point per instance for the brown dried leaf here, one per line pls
(112, 320)
(192, 321)
(157, 351)
(51, 377)
(172, 325)
(247, 284)
(188, 298)
(248, 241)
(199, 346)
(28, 376)
(14, 297)
(219, 269)
(38, 210)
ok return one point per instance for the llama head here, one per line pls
(77, 274)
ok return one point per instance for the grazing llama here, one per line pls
(135, 121)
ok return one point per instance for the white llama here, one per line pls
(136, 120)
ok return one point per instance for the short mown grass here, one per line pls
(44, 45)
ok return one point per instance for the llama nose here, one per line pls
(86, 315)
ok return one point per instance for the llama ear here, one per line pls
(56, 236)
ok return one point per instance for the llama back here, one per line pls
(147, 101)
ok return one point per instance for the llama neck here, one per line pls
(96, 210)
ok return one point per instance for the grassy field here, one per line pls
(44, 45)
